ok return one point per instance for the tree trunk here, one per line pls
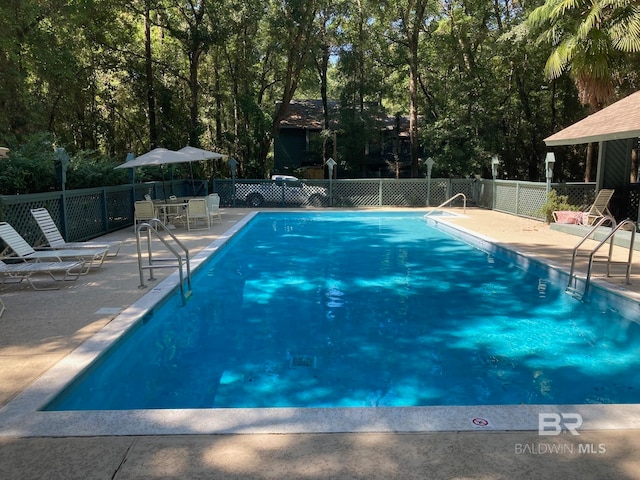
(413, 114)
(151, 99)
(413, 20)
(589, 163)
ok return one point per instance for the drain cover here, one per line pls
(302, 361)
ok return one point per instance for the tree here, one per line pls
(294, 25)
(589, 39)
(412, 16)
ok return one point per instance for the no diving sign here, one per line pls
(479, 422)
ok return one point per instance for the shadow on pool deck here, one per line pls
(41, 327)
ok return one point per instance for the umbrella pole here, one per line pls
(164, 188)
(193, 183)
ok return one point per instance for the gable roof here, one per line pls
(309, 114)
(618, 121)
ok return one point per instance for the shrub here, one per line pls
(554, 203)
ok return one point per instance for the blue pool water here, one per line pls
(363, 309)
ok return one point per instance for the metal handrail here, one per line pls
(154, 225)
(464, 204)
(608, 238)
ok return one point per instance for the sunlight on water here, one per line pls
(368, 309)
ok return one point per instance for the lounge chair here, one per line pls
(55, 240)
(25, 270)
(91, 257)
(213, 205)
(599, 208)
(197, 210)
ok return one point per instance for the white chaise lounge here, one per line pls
(57, 242)
(18, 248)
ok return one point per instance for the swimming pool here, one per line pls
(364, 310)
(303, 363)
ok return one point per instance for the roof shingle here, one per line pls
(618, 121)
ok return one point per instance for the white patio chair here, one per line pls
(144, 210)
(197, 210)
(213, 205)
(55, 240)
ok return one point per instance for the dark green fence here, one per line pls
(87, 213)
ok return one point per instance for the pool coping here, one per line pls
(21, 417)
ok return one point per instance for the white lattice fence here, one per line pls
(358, 193)
(531, 198)
(404, 193)
(505, 197)
(520, 198)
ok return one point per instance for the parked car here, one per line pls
(281, 190)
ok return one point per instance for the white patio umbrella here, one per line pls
(163, 156)
(201, 154)
(157, 157)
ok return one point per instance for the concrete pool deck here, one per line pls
(40, 328)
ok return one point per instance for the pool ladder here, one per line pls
(572, 287)
(457, 195)
(180, 254)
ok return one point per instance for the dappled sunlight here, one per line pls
(341, 314)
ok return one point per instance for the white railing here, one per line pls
(446, 202)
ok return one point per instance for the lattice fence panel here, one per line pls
(634, 204)
(439, 192)
(348, 193)
(506, 197)
(316, 193)
(84, 216)
(485, 193)
(530, 201)
(17, 212)
(119, 209)
(404, 193)
(224, 189)
(579, 195)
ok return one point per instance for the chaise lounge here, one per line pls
(57, 242)
(599, 208)
(91, 257)
(25, 271)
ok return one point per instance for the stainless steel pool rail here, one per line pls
(572, 287)
(457, 195)
(162, 233)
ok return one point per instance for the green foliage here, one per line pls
(90, 168)
(211, 74)
(554, 203)
(30, 167)
(588, 40)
